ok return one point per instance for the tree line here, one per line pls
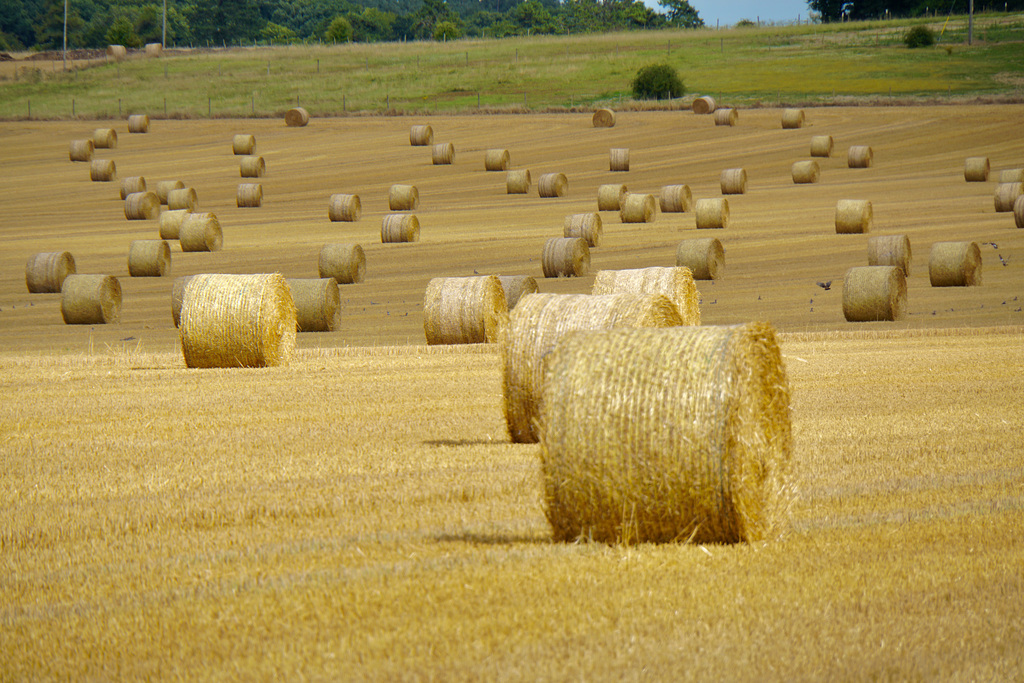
(859, 10)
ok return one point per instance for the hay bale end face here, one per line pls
(618, 159)
(676, 199)
(1018, 212)
(184, 198)
(132, 184)
(296, 117)
(141, 206)
(603, 118)
(138, 123)
(102, 171)
(403, 198)
(149, 258)
(704, 257)
(552, 185)
(518, 182)
(792, 118)
(675, 283)
(104, 138)
(465, 310)
(610, 197)
(711, 213)
(860, 156)
(516, 287)
(154, 49)
(252, 167)
(177, 294)
(822, 146)
(346, 263)
(638, 208)
(853, 216)
(976, 169)
(249, 195)
(565, 257)
(170, 223)
(805, 172)
(496, 160)
(317, 304)
(243, 144)
(734, 181)
(344, 208)
(955, 264)
(890, 250)
(45, 272)
(442, 154)
(421, 136)
(873, 293)
(704, 105)
(1006, 196)
(164, 187)
(117, 52)
(399, 227)
(200, 232)
(230, 321)
(585, 225)
(726, 117)
(81, 150)
(90, 300)
(689, 438)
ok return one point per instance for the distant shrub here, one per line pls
(656, 81)
(447, 30)
(744, 23)
(919, 36)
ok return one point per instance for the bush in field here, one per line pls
(446, 30)
(656, 81)
(919, 36)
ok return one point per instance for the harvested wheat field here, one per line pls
(349, 516)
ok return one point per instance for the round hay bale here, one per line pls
(1006, 196)
(734, 181)
(822, 146)
(344, 207)
(585, 225)
(184, 198)
(138, 123)
(154, 49)
(890, 250)
(104, 138)
(170, 223)
(317, 304)
(618, 159)
(976, 169)
(955, 264)
(565, 257)
(860, 156)
(465, 310)
(792, 118)
(249, 195)
(516, 287)
(638, 208)
(164, 187)
(518, 182)
(90, 299)
(177, 294)
(346, 263)
(133, 184)
(680, 435)
(46, 271)
(874, 293)
(296, 117)
(200, 232)
(726, 117)
(552, 185)
(141, 206)
(604, 118)
(676, 199)
(442, 154)
(149, 258)
(1012, 175)
(399, 227)
(243, 144)
(853, 216)
(537, 324)
(496, 160)
(403, 198)
(711, 213)
(102, 170)
(81, 150)
(610, 197)
(421, 136)
(117, 52)
(806, 172)
(237, 321)
(252, 167)
(704, 257)
(675, 283)
(704, 105)
(1018, 212)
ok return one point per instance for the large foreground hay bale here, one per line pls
(976, 169)
(117, 52)
(822, 146)
(46, 271)
(90, 299)
(734, 181)
(252, 167)
(890, 250)
(346, 263)
(133, 184)
(676, 199)
(317, 304)
(611, 196)
(539, 321)
(792, 118)
(1018, 212)
(232, 321)
(344, 207)
(102, 170)
(618, 159)
(604, 118)
(149, 258)
(184, 198)
(638, 208)
(200, 232)
(403, 198)
(860, 156)
(421, 136)
(104, 138)
(442, 154)
(243, 144)
(516, 287)
(296, 117)
(177, 294)
(712, 213)
(464, 310)
(874, 293)
(1006, 196)
(805, 172)
(163, 188)
(565, 257)
(585, 225)
(552, 185)
(496, 160)
(675, 283)
(138, 123)
(667, 435)
(141, 206)
(853, 216)
(1012, 175)
(518, 182)
(81, 150)
(249, 195)
(704, 105)
(399, 227)
(726, 117)
(170, 223)
(704, 257)
(154, 49)
(954, 264)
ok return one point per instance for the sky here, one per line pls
(731, 11)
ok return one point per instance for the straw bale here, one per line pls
(1006, 196)
(610, 197)
(585, 225)
(1018, 212)
(102, 170)
(496, 160)
(734, 181)
(539, 321)
(465, 310)
(792, 118)
(676, 199)
(149, 258)
(726, 117)
(874, 293)
(252, 167)
(442, 154)
(164, 187)
(890, 250)
(805, 172)
(132, 184)
(154, 49)
(955, 264)
(346, 263)
(200, 232)
(170, 223)
(552, 185)
(704, 105)
(296, 117)
(243, 144)
(638, 208)
(822, 146)
(403, 198)
(90, 299)
(141, 206)
(604, 118)
(704, 257)
(518, 182)
(117, 52)
(421, 136)
(516, 287)
(1012, 175)
(399, 227)
(860, 156)
(853, 216)
(317, 304)
(675, 283)
(237, 321)
(618, 159)
(565, 257)
(667, 436)
(184, 198)
(177, 294)
(976, 169)
(104, 138)
(249, 195)
(712, 213)
(46, 271)
(344, 207)
(81, 150)
(138, 123)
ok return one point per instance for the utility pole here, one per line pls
(970, 23)
(163, 37)
(64, 52)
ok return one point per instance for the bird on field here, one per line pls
(825, 285)
(992, 244)
(1003, 260)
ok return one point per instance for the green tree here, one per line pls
(828, 10)
(372, 25)
(447, 30)
(533, 17)
(275, 34)
(122, 32)
(50, 31)
(149, 25)
(682, 14)
(428, 15)
(655, 81)
(222, 21)
(339, 31)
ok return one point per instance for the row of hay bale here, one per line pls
(119, 53)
